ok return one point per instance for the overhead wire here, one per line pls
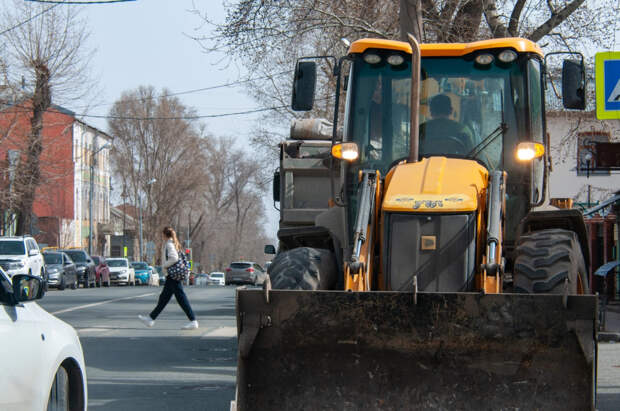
(28, 20)
(197, 90)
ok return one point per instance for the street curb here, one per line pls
(608, 337)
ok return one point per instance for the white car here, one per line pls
(121, 272)
(217, 277)
(21, 255)
(42, 362)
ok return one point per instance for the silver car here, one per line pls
(245, 272)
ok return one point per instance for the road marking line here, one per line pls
(79, 307)
(222, 332)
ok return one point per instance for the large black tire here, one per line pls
(61, 284)
(304, 268)
(59, 394)
(546, 259)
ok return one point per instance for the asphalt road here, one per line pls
(131, 367)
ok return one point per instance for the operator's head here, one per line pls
(441, 106)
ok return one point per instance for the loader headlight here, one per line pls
(507, 56)
(372, 58)
(484, 59)
(345, 151)
(529, 151)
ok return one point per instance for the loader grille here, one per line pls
(447, 265)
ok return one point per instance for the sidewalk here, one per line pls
(611, 330)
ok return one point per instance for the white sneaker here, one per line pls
(192, 325)
(148, 321)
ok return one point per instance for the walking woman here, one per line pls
(169, 256)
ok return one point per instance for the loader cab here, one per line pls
(495, 100)
(495, 90)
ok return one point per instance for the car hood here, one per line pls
(54, 266)
(141, 271)
(117, 269)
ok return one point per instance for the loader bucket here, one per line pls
(333, 350)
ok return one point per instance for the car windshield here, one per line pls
(140, 266)
(240, 265)
(12, 248)
(77, 256)
(117, 263)
(217, 275)
(52, 258)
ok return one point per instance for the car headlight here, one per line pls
(16, 265)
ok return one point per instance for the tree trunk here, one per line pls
(411, 19)
(30, 170)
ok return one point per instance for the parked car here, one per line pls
(245, 272)
(43, 362)
(154, 276)
(142, 272)
(217, 278)
(84, 265)
(121, 272)
(60, 270)
(202, 279)
(21, 255)
(102, 271)
(162, 276)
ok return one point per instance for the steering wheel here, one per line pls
(455, 145)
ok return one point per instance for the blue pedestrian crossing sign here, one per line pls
(607, 68)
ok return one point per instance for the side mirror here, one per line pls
(304, 84)
(33, 252)
(276, 186)
(27, 288)
(573, 85)
(270, 249)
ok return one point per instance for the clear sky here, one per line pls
(146, 43)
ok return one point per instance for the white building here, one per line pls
(572, 136)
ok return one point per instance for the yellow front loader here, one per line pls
(418, 265)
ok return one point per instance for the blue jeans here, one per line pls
(173, 287)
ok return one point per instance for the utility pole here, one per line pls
(140, 214)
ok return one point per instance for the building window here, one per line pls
(586, 148)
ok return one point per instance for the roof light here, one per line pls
(529, 151)
(372, 58)
(484, 59)
(395, 60)
(345, 151)
(507, 56)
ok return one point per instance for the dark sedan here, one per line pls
(84, 266)
(60, 270)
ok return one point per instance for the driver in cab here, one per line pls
(441, 133)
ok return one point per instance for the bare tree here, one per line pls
(268, 35)
(157, 154)
(46, 46)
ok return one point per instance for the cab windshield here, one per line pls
(466, 110)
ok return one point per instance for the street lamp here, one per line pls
(140, 215)
(90, 199)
